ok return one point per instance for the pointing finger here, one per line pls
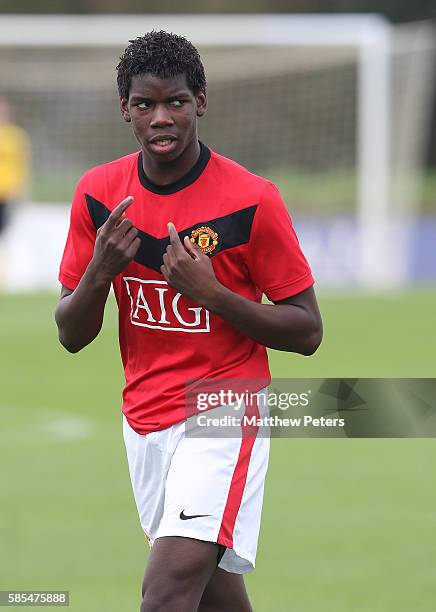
(174, 236)
(192, 248)
(118, 211)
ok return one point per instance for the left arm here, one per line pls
(293, 324)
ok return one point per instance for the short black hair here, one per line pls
(164, 55)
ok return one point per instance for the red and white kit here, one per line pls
(240, 220)
(201, 487)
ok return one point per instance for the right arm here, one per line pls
(79, 314)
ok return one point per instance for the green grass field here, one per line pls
(348, 525)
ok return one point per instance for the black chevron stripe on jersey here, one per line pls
(233, 230)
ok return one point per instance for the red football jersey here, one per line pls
(236, 217)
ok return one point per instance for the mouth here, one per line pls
(163, 144)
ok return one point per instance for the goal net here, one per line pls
(335, 110)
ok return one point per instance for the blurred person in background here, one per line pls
(14, 168)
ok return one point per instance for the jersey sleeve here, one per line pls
(79, 247)
(275, 260)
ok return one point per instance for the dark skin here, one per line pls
(167, 109)
(191, 565)
(291, 325)
(79, 314)
(164, 107)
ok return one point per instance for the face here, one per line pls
(163, 113)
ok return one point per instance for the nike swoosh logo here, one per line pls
(186, 517)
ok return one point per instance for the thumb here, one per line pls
(192, 248)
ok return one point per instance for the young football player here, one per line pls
(190, 241)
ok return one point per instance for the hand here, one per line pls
(117, 242)
(187, 269)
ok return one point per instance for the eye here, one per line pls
(144, 105)
(177, 103)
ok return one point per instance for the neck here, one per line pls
(165, 173)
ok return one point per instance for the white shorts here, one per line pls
(206, 488)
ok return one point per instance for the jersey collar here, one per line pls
(181, 183)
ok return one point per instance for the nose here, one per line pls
(161, 116)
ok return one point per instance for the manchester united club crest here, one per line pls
(205, 237)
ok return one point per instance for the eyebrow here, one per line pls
(176, 96)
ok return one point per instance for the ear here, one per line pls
(124, 107)
(201, 104)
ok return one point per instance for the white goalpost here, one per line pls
(318, 90)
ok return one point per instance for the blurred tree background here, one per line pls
(397, 11)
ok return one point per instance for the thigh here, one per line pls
(149, 458)
(178, 571)
(225, 591)
(214, 492)
(197, 486)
